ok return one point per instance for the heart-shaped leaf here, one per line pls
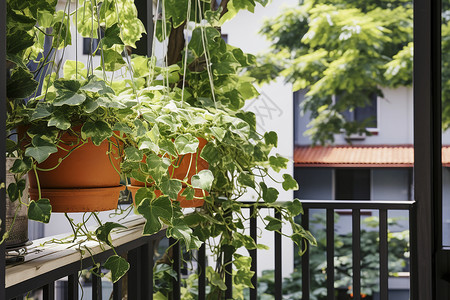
(203, 180)
(133, 154)
(153, 211)
(186, 143)
(118, 267)
(40, 210)
(103, 232)
(274, 224)
(171, 188)
(41, 149)
(98, 131)
(21, 166)
(289, 183)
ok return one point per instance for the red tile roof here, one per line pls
(360, 156)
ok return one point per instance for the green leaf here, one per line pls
(69, 98)
(168, 147)
(157, 166)
(15, 190)
(244, 240)
(180, 231)
(210, 154)
(154, 134)
(295, 207)
(203, 180)
(278, 162)
(143, 193)
(59, 120)
(244, 277)
(196, 43)
(270, 195)
(40, 149)
(274, 224)
(289, 183)
(111, 60)
(103, 232)
(215, 279)
(73, 69)
(217, 132)
(118, 267)
(40, 210)
(186, 143)
(133, 154)
(188, 193)
(160, 34)
(97, 86)
(18, 41)
(21, 84)
(98, 131)
(246, 180)
(271, 138)
(21, 166)
(112, 36)
(171, 187)
(153, 211)
(176, 9)
(42, 110)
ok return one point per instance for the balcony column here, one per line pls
(426, 222)
(2, 139)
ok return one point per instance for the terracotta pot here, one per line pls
(185, 166)
(184, 203)
(188, 165)
(80, 200)
(85, 181)
(87, 166)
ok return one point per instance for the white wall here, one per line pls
(395, 120)
(273, 109)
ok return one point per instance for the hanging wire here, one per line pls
(188, 16)
(166, 48)
(207, 59)
(152, 53)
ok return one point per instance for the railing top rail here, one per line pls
(43, 258)
(357, 204)
(347, 204)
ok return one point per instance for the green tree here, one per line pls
(345, 48)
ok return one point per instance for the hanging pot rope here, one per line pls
(188, 16)
(207, 58)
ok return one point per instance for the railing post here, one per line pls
(305, 259)
(356, 254)
(253, 254)
(330, 253)
(49, 291)
(176, 267)
(72, 285)
(384, 271)
(201, 271)
(96, 286)
(278, 263)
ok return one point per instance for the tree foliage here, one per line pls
(350, 49)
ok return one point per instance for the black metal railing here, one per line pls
(383, 207)
(140, 255)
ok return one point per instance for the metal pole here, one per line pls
(427, 146)
(2, 140)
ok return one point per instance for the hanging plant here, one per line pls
(154, 114)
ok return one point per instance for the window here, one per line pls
(352, 184)
(368, 112)
(90, 45)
